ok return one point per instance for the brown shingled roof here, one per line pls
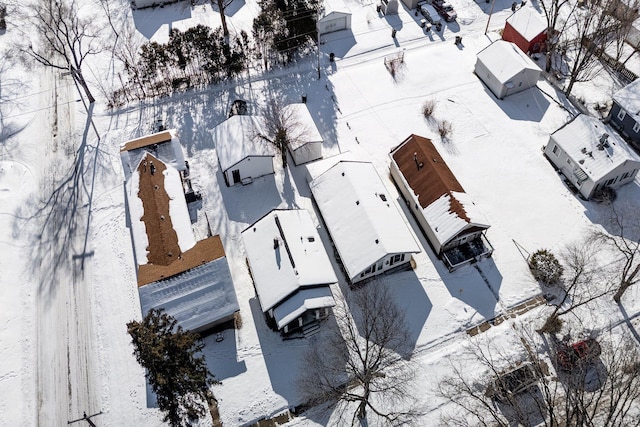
(427, 173)
(145, 141)
(165, 258)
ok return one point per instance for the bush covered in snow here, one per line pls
(545, 267)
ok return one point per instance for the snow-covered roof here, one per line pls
(163, 145)
(333, 6)
(304, 125)
(445, 205)
(505, 60)
(286, 254)
(628, 98)
(197, 298)
(446, 222)
(237, 138)
(305, 299)
(528, 22)
(362, 219)
(580, 139)
(160, 222)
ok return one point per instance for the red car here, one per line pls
(570, 356)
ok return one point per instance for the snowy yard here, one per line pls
(362, 112)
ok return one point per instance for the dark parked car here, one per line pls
(445, 10)
(512, 382)
(580, 353)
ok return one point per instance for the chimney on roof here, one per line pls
(419, 165)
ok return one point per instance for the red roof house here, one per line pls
(527, 29)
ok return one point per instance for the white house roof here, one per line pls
(528, 22)
(286, 254)
(178, 211)
(196, 298)
(237, 138)
(362, 219)
(334, 6)
(446, 223)
(304, 125)
(163, 145)
(629, 99)
(580, 139)
(305, 299)
(504, 59)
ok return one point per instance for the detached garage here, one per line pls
(334, 16)
(307, 142)
(505, 69)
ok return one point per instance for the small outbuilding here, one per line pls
(505, 69)
(625, 111)
(334, 16)
(291, 271)
(307, 142)
(527, 29)
(591, 156)
(449, 218)
(370, 234)
(242, 153)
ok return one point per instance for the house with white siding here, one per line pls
(368, 231)
(291, 271)
(242, 153)
(591, 156)
(450, 219)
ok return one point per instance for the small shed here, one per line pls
(334, 16)
(527, 29)
(243, 154)
(449, 218)
(625, 111)
(291, 270)
(506, 69)
(591, 156)
(368, 231)
(307, 141)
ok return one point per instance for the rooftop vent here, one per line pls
(603, 141)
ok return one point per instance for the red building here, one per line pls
(527, 29)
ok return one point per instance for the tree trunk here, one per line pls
(77, 74)
(225, 30)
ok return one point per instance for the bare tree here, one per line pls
(625, 244)
(555, 25)
(599, 391)
(67, 38)
(357, 363)
(588, 34)
(283, 126)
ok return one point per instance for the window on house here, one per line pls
(555, 149)
(610, 181)
(625, 175)
(368, 271)
(621, 114)
(636, 127)
(397, 258)
(569, 162)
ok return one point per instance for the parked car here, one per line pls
(577, 354)
(429, 13)
(445, 10)
(512, 383)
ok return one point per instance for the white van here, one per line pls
(428, 12)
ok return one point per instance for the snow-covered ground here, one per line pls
(68, 291)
